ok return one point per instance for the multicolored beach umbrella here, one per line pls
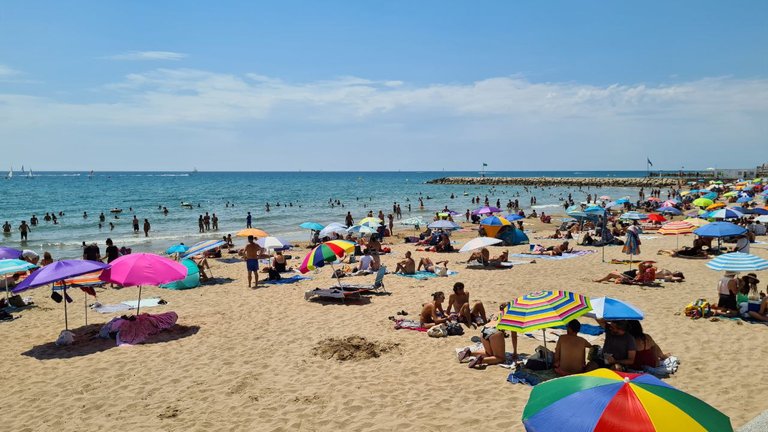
(543, 309)
(372, 221)
(492, 224)
(327, 252)
(202, 247)
(738, 262)
(11, 266)
(725, 213)
(604, 401)
(677, 228)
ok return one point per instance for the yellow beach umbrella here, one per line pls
(374, 221)
(252, 232)
(716, 206)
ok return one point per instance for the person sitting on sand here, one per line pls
(762, 313)
(366, 263)
(483, 256)
(569, 352)
(433, 267)
(444, 244)
(280, 263)
(432, 313)
(648, 352)
(47, 259)
(494, 350)
(406, 266)
(459, 303)
(727, 288)
(556, 235)
(587, 240)
(619, 348)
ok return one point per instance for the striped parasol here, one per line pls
(607, 400)
(86, 280)
(677, 228)
(543, 309)
(696, 222)
(201, 247)
(324, 253)
(11, 266)
(738, 262)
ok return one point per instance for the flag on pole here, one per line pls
(649, 162)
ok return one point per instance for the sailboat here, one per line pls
(29, 174)
(90, 175)
(10, 174)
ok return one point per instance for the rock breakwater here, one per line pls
(649, 182)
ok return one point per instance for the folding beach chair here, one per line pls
(378, 283)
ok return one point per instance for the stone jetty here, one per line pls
(648, 182)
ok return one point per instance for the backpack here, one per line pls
(454, 329)
(273, 275)
(698, 309)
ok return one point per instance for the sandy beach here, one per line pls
(244, 359)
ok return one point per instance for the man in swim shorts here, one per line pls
(252, 252)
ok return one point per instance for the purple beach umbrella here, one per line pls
(57, 272)
(9, 253)
(486, 210)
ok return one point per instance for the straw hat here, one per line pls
(752, 277)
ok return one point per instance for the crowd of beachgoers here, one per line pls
(485, 244)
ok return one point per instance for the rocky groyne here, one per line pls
(648, 182)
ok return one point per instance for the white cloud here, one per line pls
(6, 71)
(148, 55)
(531, 125)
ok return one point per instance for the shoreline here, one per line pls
(562, 181)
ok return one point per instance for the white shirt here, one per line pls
(365, 262)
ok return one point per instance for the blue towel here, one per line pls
(421, 275)
(589, 329)
(288, 280)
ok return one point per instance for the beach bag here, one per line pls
(437, 331)
(273, 275)
(698, 309)
(454, 329)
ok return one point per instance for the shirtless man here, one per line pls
(407, 266)
(432, 313)
(252, 252)
(569, 351)
(430, 266)
(459, 303)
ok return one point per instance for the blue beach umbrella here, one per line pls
(622, 201)
(759, 211)
(724, 213)
(611, 309)
(202, 246)
(314, 226)
(710, 196)
(513, 217)
(634, 216)
(738, 262)
(179, 248)
(670, 210)
(744, 199)
(719, 229)
(11, 266)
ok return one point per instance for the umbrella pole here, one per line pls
(546, 357)
(85, 306)
(138, 305)
(338, 281)
(6, 287)
(66, 318)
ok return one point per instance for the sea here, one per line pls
(294, 197)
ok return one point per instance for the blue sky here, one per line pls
(415, 85)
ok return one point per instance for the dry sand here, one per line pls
(244, 359)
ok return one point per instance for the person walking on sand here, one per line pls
(146, 227)
(252, 253)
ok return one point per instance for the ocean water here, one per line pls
(309, 193)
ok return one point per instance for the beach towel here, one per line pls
(422, 275)
(145, 303)
(406, 324)
(137, 329)
(531, 377)
(564, 256)
(105, 309)
(287, 280)
(618, 261)
(587, 329)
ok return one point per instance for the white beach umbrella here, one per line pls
(479, 243)
(361, 229)
(335, 227)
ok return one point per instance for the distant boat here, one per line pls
(194, 170)
(10, 174)
(90, 175)
(29, 173)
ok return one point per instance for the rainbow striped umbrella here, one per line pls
(604, 400)
(543, 309)
(327, 252)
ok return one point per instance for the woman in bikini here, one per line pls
(494, 351)
(433, 313)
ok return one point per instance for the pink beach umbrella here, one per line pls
(143, 269)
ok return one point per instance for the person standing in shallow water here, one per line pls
(248, 220)
(135, 224)
(146, 227)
